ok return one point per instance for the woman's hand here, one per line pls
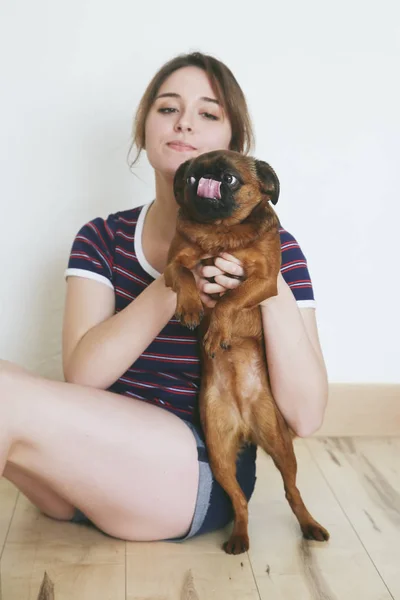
(224, 265)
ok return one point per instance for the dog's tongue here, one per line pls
(209, 188)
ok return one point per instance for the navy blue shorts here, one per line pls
(213, 506)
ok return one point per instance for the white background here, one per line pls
(322, 83)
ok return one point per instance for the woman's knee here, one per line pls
(40, 494)
(9, 372)
(6, 367)
(14, 381)
(7, 376)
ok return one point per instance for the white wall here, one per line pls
(321, 80)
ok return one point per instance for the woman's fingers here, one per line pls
(222, 284)
(225, 265)
(229, 265)
(210, 271)
(230, 257)
(227, 283)
(211, 288)
(207, 301)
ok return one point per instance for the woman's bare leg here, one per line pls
(40, 494)
(129, 466)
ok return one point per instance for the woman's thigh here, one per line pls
(131, 467)
(213, 508)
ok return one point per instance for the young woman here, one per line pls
(119, 444)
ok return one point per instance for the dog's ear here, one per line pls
(180, 180)
(268, 179)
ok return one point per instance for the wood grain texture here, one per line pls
(364, 476)
(351, 485)
(284, 564)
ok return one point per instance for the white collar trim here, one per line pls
(146, 266)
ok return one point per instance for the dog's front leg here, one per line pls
(246, 296)
(179, 277)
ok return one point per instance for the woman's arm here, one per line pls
(98, 345)
(295, 362)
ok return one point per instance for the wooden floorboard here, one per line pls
(350, 485)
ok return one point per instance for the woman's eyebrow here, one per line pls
(172, 95)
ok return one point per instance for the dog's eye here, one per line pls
(191, 180)
(228, 178)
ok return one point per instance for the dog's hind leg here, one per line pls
(276, 440)
(223, 437)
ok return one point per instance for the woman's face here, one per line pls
(185, 120)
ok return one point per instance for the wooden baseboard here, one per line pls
(362, 409)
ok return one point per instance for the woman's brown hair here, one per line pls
(225, 87)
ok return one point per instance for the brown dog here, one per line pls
(224, 200)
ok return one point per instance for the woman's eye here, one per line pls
(167, 110)
(210, 116)
(228, 178)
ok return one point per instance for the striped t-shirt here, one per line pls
(168, 372)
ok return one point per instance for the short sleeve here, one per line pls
(92, 252)
(295, 272)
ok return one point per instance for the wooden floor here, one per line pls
(351, 485)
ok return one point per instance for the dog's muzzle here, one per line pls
(210, 200)
(209, 188)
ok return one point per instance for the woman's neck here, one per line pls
(161, 217)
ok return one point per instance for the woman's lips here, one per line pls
(180, 147)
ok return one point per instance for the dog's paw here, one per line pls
(214, 341)
(190, 314)
(315, 531)
(237, 544)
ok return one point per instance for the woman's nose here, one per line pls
(183, 127)
(184, 124)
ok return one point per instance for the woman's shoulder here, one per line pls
(294, 269)
(94, 247)
(286, 236)
(289, 243)
(120, 218)
(106, 228)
